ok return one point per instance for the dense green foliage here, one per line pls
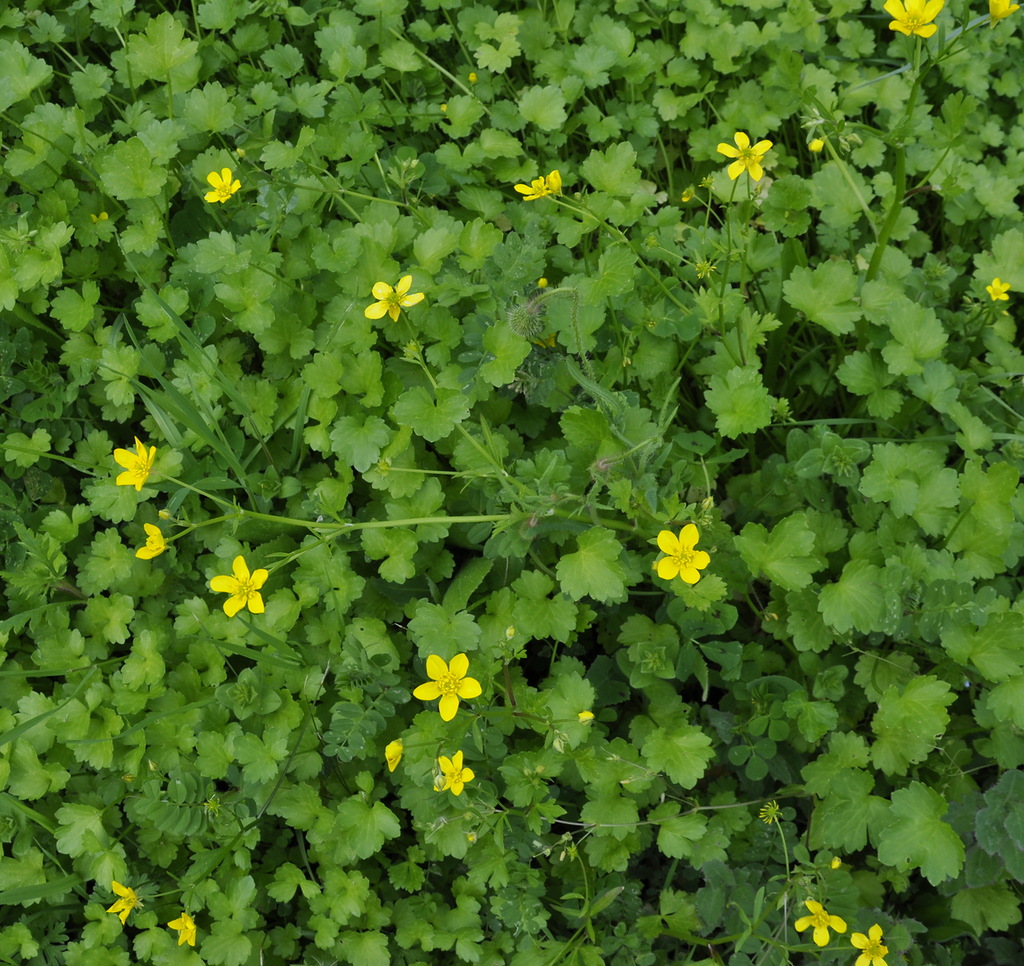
(815, 368)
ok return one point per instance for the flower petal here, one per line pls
(468, 774)
(437, 667)
(404, 284)
(668, 543)
(736, 169)
(255, 603)
(410, 300)
(742, 140)
(820, 936)
(223, 584)
(458, 665)
(469, 688)
(381, 290)
(688, 537)
(427, 692)
(239, 569)
(234, 604)
(258, 578)
(376, 311)
(668, 567)
(728, 150)
(448, 706)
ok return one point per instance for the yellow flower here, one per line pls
(915, 17)
(223, 186)
(449, 684)
(186, 927)
(705, 268)
(816, 145)
(997, 290)
(688, 195)
(542, 282)
(393, 753)
(103, 216)
(391, 301)
(1000, 9)
(137, 465)
(585, 717)
(155, 543)
(769, 814)
(872, 950)
(540, 187)
(748, 157)
(472, 77)
(128, 901)
(455, 776)
(836, 862)
(682, 559)
(243, 587)
(821, 921)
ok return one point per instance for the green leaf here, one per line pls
(435, 631)
(855, 600)
(786, 556)
(917, 838)
(594, 569)
(23, 451)
(740, 402)
(814, 719)
(20, 73)
(992, 907)
(825, 295)
(543, 106)
(164, 54)
(682, 752)
(126, 171)
(417, 409)
(616, 271)
(210, 108)
(909, 723)
(509, 351)
(613, 171)
(359, 442)
(999, 826)
(994, 648)
(917, 337)
(678, 834)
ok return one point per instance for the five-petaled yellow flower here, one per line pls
(541, 187)
(128, 901)
(244, 588)
(997, 290)
(748, 156)
(455, 776)
(391, 301)
(223, 186)
(681, 559)
(186, 927)
(393, 753)
(449, 683)
(871, 949)
(1000, 10)
(915, 17)
(155, 543)
(821, 921)
(137, 465)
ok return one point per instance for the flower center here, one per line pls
(685, 560)
(448, 683)
(820, 919)
(246, 588)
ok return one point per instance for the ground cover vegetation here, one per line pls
(494, 483)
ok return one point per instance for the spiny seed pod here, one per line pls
(524, 319)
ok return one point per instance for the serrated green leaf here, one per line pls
(740, 402)
(594, 569)
(786, 556)
(543, 106)
(417, 409)
(917, 838)
(909, 723)
(613, 171)
(825, 295)
(682, 753)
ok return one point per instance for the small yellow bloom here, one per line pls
(444, 108)
(449, 683)
(391, 301)
(816, 145)
(128, 901)
(472, 77)
(688, 195)
(155, 543)
(455, 776)
(102, 216)
(748, 157)
(769, 814)
(585, 717)
(682, 559)
(243, 587)
(872, 950)
(914, 17)
(821, 921)
(393, 753)
(997, 290)
(137, 465)
(1000, 10)
(541, 187)
(836, 862)
(223, 186)
(705, 269)
(186, 927)
(542, 282)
